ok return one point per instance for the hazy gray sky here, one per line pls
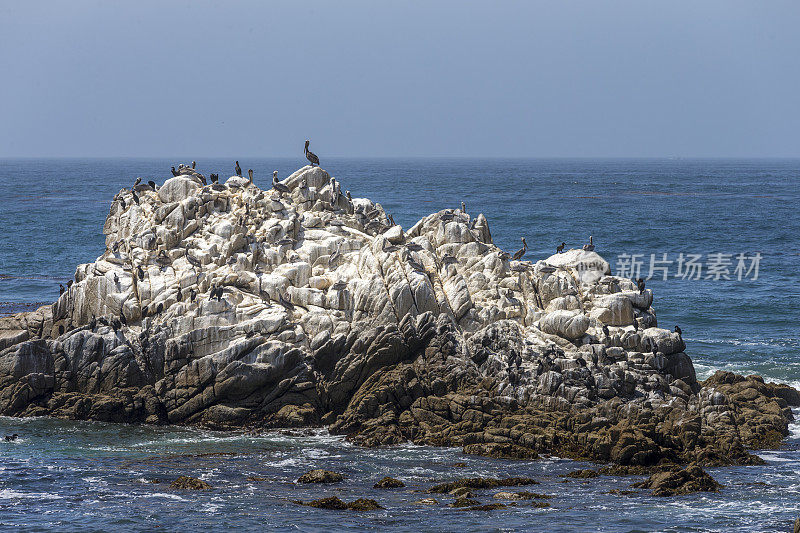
(558, 78)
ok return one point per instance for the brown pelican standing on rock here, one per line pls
(560, 248)
(518, 255)
(335, 255)
(137, 182)
(284, 302)
(463, 208)
(250, 174)
(238, 169)
(311, 156)
(589, 247)
(277, 185)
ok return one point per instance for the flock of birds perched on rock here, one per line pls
(407, 251)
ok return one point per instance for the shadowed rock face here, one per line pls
(227, 306)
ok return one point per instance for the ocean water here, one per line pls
(64, 475)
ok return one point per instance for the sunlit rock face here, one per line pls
(229, 305)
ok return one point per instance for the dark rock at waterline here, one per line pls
(389, 483)
(488, 507)
(363, 504)
(481, 483)
(463, 501)
(521, 495)
(334, 503)
(504, 450)
(583, 474)
(331, 502)
(320, 476)
(680, 481)
(189, 483)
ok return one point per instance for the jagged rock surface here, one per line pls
(226, 305)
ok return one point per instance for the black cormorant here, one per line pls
(238, 169)
(560, 247)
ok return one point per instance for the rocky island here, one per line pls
(229, 306)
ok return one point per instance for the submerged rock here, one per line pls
(320, 476)
(389, 483)
(191, 483)
(583, 474)
(501, 451)
(482, 483)
(229, 306)
(680, 481)
(463, 501)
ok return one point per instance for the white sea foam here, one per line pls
(794, 427)
(167, 496)
(11, 494)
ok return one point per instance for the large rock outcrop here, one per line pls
(228, 305)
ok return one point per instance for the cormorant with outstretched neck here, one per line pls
(560, 247)
(311, 156)
(174, 172)
(518, 255)
(238, 169)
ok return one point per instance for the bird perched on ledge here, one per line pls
(560, 248)
(519, 253)
(589, 247)
(311, 156)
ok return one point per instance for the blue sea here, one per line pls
(735, 219)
